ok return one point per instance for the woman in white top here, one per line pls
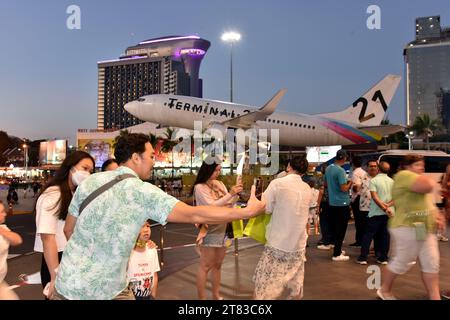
(209, 191)
(51, 211)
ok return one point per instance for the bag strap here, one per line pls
(103, 188)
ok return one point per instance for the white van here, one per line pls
(435, 163)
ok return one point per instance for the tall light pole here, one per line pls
(25, 159)
(410, 136)
(231, 37)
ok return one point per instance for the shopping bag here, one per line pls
(238, 228)
(256, 227)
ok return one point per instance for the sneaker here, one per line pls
(361, 261)
(442, 238)
(383, 297)
(343, 252)
(341, 258)
(445, 295)
(384, 262)
(324, 247)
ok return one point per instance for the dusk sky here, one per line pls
(321, 51)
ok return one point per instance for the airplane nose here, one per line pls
(132, 108)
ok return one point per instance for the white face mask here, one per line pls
(79, 176)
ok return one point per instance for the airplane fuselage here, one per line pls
(294, 129)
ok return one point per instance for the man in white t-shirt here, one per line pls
(282, 262)
(358, 175)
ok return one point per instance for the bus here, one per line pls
(436, 163)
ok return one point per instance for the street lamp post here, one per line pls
(25, 159)
(410, 136)
(231, 37)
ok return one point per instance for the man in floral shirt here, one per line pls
(102, 237)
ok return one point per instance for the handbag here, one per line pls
(235, 229)
(238, 228)
(256, 227)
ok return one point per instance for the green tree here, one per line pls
(5, 143)
(425, 127)
(153, 140)
(168, 143)
(121, 134)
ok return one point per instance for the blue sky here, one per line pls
(321, 51)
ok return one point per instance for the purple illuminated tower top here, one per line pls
(189, 50)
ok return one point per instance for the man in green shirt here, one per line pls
(381, 208)
(102, 237)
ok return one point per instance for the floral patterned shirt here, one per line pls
(366, 197)
(94, 263)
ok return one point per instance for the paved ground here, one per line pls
(324, 279)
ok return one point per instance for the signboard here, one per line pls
(52, 152)
(100, 149)
(321, 154)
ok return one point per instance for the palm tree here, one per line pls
(153, 140)
(424, 126)
(168, 143)
(121, 134)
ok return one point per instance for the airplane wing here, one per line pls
(383, 130)
(247, 120)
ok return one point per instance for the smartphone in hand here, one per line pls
(259, 188)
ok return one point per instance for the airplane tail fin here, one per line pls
(369, 110)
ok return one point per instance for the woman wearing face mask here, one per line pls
(51, 211)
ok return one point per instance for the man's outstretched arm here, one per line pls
(183, 213)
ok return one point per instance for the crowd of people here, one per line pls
(399, 212)
(94, 232)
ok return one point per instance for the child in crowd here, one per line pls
(313, 218)
(143, 266)
(7, 238)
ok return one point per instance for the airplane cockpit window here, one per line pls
(141, 99)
